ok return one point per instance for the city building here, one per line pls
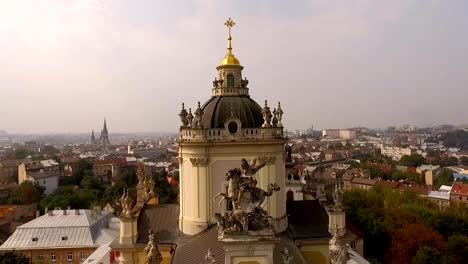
(459, 193)
(341, 133)
(9, 170)
(441, 198)
(63, 236)
(395, 152)
(362, 183)
(45, 172)
(429, 173)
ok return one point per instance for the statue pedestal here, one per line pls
(248, 246)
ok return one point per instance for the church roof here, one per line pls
(163, 220)
(219, 109)
(195, 248)
(307, 219)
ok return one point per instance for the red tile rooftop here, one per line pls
(391, 184)
(460, 188)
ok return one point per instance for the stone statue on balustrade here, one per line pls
(144, 192)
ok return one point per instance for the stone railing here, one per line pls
(221, 134)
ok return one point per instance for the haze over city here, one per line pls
(68, 64)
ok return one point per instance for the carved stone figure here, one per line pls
(153, 256)
(183, 116)
(338, 197)
(190, 118)
(252, 168)
(288, 152)
(287, 258)
(275, 118)
(244, 83)
(260, 195)
(222, 221)
(239, 219)
(198, 117)
(144, 193)
(279, 113)
(215, 83)
(338, 250)
(210, 256)
(126, 201)
(234, 178)
(247, 214)
(266, 115)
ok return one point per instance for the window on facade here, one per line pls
(70, 256)
(82, 256)
(40, 257)
(353, 244)
(230, 81)
(53, 257)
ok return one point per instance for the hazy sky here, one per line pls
(65, 65)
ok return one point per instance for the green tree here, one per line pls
(451, 161)
(27, 193)
(445, 178)
(80, 169)
(12, 257)
(464, 160)
(458, 248)
(413, 160)
(429, 255)
(21, 153)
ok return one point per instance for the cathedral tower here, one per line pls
(215, 137)
(104, 138)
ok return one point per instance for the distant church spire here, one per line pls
(104, 139)
(93, 138)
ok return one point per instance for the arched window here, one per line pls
(290, 196)
(230, 81)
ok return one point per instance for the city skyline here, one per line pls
(69, 65)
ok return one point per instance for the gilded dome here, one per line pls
(219, 109)
(230, 60)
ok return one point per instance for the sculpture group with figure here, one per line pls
(246, 200)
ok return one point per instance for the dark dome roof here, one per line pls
(217, 110)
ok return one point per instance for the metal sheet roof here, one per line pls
(58, 230)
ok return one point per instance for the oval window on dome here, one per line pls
(230, 81)
(232, 127)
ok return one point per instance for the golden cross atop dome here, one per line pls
(229, 23)
(229, 59)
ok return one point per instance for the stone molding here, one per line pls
(268, 160)
(199, 161)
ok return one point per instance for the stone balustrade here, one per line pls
(221, 134)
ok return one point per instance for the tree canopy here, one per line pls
(399, 224)
(413, 160)
(12, 257)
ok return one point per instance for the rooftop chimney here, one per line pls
(77, 211)
(64, 211)
(38, 213)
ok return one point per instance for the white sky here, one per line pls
(65, 65)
